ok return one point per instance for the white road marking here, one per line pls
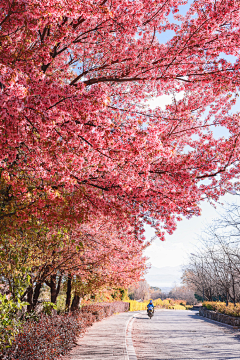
(131, 355)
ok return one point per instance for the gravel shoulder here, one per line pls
(176, 334)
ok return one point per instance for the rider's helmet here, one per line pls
(150, 302)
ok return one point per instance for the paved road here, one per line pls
(105, 340)
(183, 335)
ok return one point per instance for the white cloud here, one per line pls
(166, 253)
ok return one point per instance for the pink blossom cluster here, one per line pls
(76, 132)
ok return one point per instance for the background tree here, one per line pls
(139, 291)
(92, 256)
(183, 293)
(80, 146)
(213, 271)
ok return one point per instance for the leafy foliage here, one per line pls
(78, 136)
(158, 303)
(52, 336)
(11, 303)
(48, 306)
(102, 310)
(221, 307)
(45, 339)
(85, 162)
(10, 323)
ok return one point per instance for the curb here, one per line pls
(219, 323)
(131, 355)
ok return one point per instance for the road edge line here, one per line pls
(131, 355)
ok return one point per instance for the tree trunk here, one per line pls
(75, 302)
(227, 299)
(58, 286)
(234, 293)
(36, 294)
(54, 286)
(30, 299)
(69, 291)
(210, 294)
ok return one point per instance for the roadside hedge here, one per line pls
(102, 310)
(52, 336)
(231, 309)
(161, 304)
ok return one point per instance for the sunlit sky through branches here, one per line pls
(167, 258)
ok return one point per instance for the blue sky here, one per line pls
(175, 250)
(177, 247)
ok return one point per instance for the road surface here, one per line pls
(183, 335)
(105, 340)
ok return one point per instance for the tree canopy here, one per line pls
(75, 81)
(82, 154)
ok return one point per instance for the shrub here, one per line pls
(52, 336)
(222, 308)
(48, 307)
(101, 310)
(46, 339)
(137, 306)
(10, 323)
(166, 303)
(158, 303)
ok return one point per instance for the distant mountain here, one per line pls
(164, 277)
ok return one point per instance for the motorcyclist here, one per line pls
(150, 306)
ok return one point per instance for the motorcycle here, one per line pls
(150, 313)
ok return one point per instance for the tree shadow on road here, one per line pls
(183, 335)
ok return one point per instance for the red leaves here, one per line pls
(102, 310)
(46, 339)
(53, 336)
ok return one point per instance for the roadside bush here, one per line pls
(10, 322)
(181, 302)
(51, 336)
(222, 308)
(137, 306)
(166, 303)
(46, 339)
(48, 307)
(175, 304)
(95, 310)
(102, 310)
(88, 319)
(209, 305)
(158, 303)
